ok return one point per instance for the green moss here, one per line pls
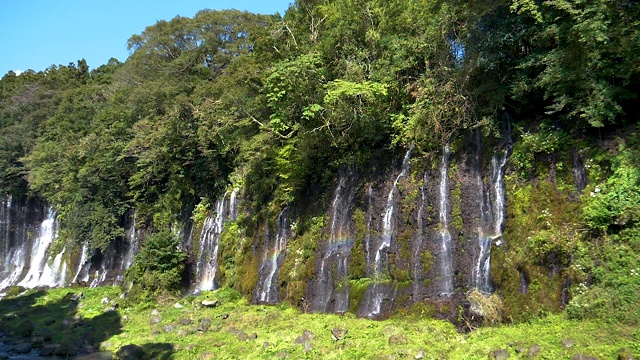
(357, 260)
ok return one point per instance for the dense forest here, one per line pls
(281, 106)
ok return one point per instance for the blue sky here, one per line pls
(35, 34)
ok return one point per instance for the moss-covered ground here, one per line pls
(234, 329)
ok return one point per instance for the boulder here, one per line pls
(130, 352)
(338, 334)
(204, 324)
(398, 340)
(499, 354)
(534, 350)
(168, 328)
(25, 328)
(211, 303)
(306, 337)
(66, 350)
(625, 354)
(583, 357)
(47, 350)
(22, 348)
(568, 343)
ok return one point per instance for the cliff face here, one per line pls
(378, 239)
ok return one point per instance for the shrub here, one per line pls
(158, 267)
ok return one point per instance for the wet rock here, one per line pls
(74, 297)
(583, 357)
(47, 350)
(66, 349)
(204, 324)
(338, 334)
(22, 348)
(185, 321)
(419, 355)
(211, 303)
(625, 354)
(500, 354)
(155, 320)
(398, 340)
(568, 343)
(534, 350)
(130, 352)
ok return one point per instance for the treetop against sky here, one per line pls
(39, 33)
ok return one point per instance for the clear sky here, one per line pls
(35, 34)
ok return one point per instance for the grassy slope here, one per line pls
(277, 328)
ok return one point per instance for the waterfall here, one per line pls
(330, 284)
(378, 291)
(445, 256)
(418, 246)
(212, 228)
(37, 264)
(492, 215)
(82, 274)
(387, 219)
(267, 293)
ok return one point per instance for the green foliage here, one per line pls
(615, 203)
(158, 268)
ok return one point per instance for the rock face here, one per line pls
(394, 232)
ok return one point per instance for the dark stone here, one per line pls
(583, 357)
(224, 316)
(130, 352)
(338, 334)
(624, 354)
(242, 336)
(534, 350)
(66, 349)
(25, 328)
(47, 350)
(49, 321)
(398, 340)
(500, 354)
(155, 320)
(22, 348)
(185, 322)
(568, 343)
(204, 324)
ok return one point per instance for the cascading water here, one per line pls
(82, 274)
(492, 218)
(445, 280)
(207, 265)
(329, 284)
(378, 291)
(418, 246)
(267, 292)
(37, 263)
(387, 219)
